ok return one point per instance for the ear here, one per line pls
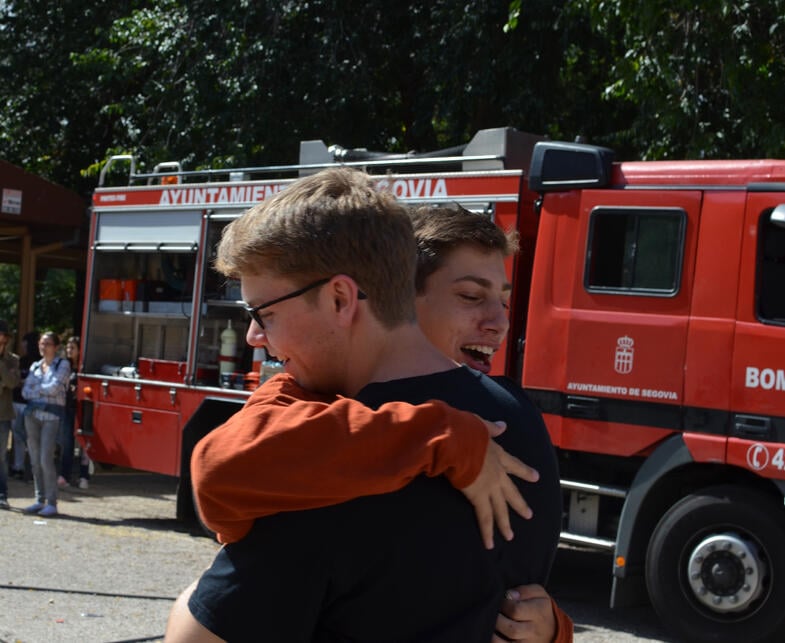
(344, 293)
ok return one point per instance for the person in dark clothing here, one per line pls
(463, 305)
(9, 378)
(67, 438)
(411, 554)
(336, 573)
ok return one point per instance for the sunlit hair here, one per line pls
(440, 230)
(333, 222)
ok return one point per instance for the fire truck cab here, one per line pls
(647, 323)
(655, 348)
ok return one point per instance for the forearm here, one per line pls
(281, 453)
(54, 387)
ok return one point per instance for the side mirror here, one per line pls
(778, 216)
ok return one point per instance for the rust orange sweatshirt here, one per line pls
(241, 471)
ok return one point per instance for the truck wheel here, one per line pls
(715, 567)
(205, 529)
(186, 508)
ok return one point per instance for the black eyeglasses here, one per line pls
(253, 311)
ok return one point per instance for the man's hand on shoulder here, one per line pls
(493, 492)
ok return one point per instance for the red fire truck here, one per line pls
(647, 323)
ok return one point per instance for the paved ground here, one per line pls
(108, 568)
(581, 583)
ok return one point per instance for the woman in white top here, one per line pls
(44, 389)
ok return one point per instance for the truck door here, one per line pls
(627, 328)
(757, 430)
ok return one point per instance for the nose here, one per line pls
(256, 336)
(496, 318)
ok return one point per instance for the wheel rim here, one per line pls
(725, 572)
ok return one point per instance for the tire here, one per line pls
(187, 511)
(204, 528)
(185, 507)
(715, 567)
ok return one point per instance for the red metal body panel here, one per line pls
(706, 448)
(161, 369)
(582, 334)
(489, 186)
(763, 458)
(758, 371)
(710, 335)
(138, 423)
(553, 280)
(736, 172)
(758, 384)
(616, 439)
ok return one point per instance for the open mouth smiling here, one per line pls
(478, 356)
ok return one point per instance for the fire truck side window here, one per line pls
(635, 251)
(142, 306)
(771, 271)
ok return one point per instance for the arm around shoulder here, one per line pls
(244, 469)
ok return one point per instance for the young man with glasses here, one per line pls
(412, 552)
(462, 304)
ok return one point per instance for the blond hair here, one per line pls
(333, 222)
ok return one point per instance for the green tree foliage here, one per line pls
(705, 77)
(9, 293)
(239, 83)
(51, 122)
(54, 297)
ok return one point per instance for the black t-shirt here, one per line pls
(402, 566)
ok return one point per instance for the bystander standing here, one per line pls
(44, 390)
(9, 378)
(72, 346)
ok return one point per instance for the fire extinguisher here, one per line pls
(227, 356)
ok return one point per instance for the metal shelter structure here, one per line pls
(42, 225)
